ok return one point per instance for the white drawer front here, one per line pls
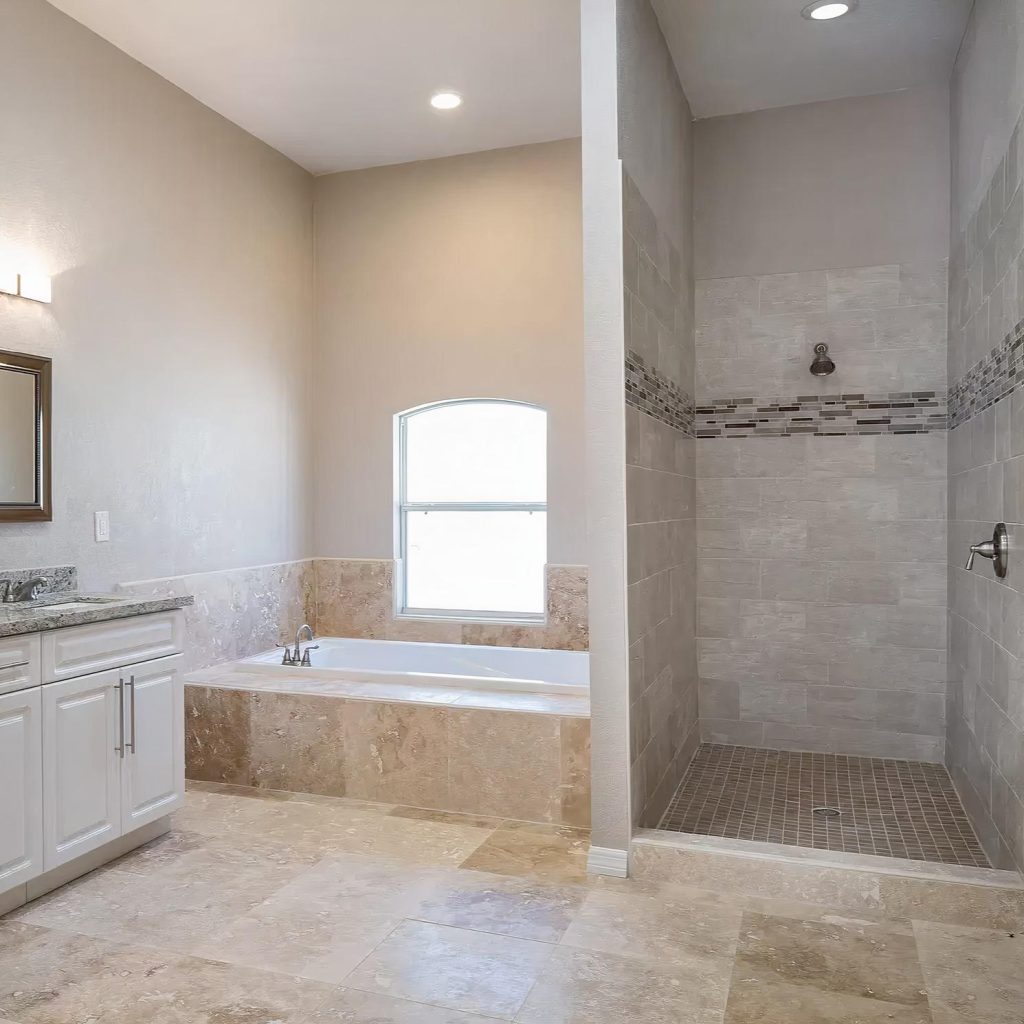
(19, 662)
(80, 650)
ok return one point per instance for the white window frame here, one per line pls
(403, 507)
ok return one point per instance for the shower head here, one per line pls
(822, 365)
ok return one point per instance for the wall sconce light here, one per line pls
(36, 287)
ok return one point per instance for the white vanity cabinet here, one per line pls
(81, 766)
(21, 788)
(95, 749)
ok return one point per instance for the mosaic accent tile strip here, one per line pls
(887, 808)
(657, 395)
(898, 412)
(989, 381)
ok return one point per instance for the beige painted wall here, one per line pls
(446, 279)
(181, 325)
(845, 183)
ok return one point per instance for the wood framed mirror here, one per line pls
(25, 433)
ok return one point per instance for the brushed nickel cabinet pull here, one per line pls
(131, 686)
(120, 716)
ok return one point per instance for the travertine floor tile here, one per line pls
(972, 975)
(319, 938)
(855, 960)
(556, 854)
(754, 1001)
(337, 912)
(504, 905)
(452, 967)
(581, 987)
(53, 977)
(314, 831)
(697, 932)
(349, 1006)
(170, 904)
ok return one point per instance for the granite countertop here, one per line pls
(78, 609)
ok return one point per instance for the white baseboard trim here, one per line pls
(604, 861)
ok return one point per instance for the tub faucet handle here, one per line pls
(305, 655)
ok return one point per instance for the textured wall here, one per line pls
(181, 324)
(844, 183)
(657, 153)
(455, 278)
(821, 502)
(985, 748)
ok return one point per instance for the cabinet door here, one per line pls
(21, 788)
(82, 755)
(153, 771)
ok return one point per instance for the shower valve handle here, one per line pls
(986, 549)
(997, 549)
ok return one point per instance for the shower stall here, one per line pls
(822, 347)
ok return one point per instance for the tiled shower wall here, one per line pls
(985, 749)
(821, 511)
(660, 499)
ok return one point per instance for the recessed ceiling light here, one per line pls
(445, 100)
(826, 10)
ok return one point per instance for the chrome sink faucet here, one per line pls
(300, 656)
(28, 590)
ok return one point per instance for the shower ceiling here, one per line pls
(740, 55)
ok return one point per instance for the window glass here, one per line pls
(477, 451)
(473, 508)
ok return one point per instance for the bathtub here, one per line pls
(457, 666)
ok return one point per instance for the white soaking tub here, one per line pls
(458, 666)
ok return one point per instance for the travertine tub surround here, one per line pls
(354, 597)
(511, 764)
(242, 612)
(238, 612)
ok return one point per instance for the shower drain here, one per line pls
(826, 812)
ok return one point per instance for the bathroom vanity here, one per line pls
(92, 749)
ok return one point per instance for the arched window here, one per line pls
(472, 510)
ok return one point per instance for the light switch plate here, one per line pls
(102, 524)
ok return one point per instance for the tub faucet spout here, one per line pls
(301, 657)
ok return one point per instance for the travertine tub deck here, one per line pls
(510, 755)
(271, 908)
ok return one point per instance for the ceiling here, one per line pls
(740, 55)
(340, 84)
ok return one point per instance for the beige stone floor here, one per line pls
(264, 908)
